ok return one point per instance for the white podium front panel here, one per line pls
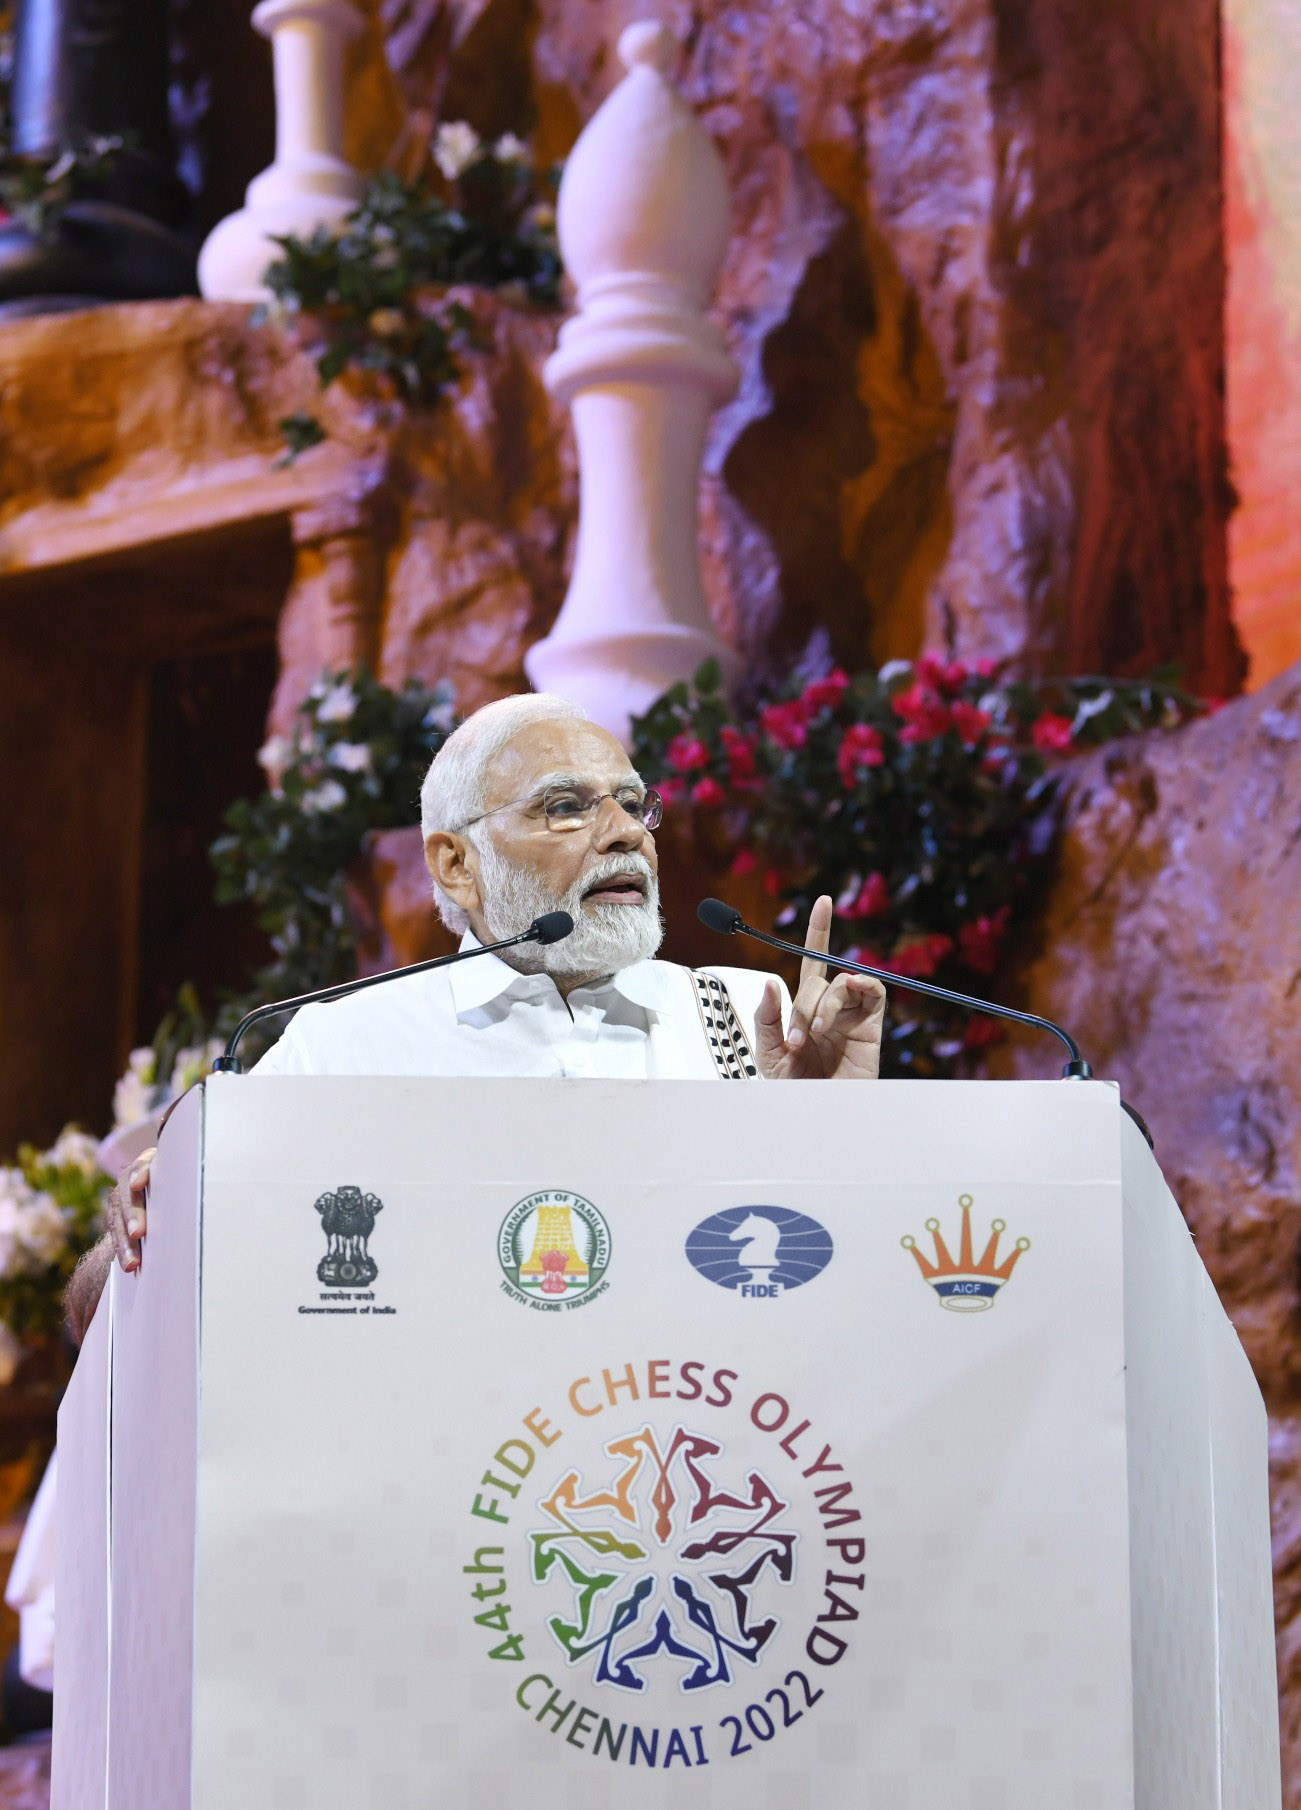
(629, 1530)
(679, 1444)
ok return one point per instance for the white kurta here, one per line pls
(484, 1018)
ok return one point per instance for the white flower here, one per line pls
(894, 669)
(456, 147)
(328, 796)
(74, 1149)
(274, 755)
(509, 149)
(42, 1229)
(15, 1191)
(352, 757)
(192, 1065)
(337, 705)
(136, 1094)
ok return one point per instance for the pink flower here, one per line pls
(786, 724)
(986, 669)
(941, 675)
(740, 750)
(743, 862)
(873, 898)
(707, 791)
(924, 715)
(861, 747)
(1212, 705)
(919, 959)
(773, 882)
(1051, 734)
(686, 753)
(980, 943)
(825, 694)
(969, 722)
(672, 791)
(981, 1032)
(864, 952)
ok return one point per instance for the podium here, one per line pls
(468, 1445)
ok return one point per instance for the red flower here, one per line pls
(861, 747)
(773, 882)
(924, 715)
(707, 791)
(969, 722)
(980, 942)
(986, 669)
(1211, 705)
(740, 751)
(864, 952)
(1051, 734)
(672, 791)
(786, 724)
(686, 753)
(743, 862)
(941, 675)
(981, 1032)
(873, 898)
(919, 959)
(825, 694)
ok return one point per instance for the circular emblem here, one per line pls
(554, 1249)
(761, 1251)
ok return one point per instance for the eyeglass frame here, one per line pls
(651, 801)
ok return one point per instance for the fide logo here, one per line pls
(761, 1252)
(348, 1219)
(554, 1250)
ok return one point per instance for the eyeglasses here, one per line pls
(575, 807)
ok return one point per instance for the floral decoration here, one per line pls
(379, 298)
(51, 1212)
(923, 798)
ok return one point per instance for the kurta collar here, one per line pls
(478, 983)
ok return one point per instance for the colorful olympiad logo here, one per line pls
(760, 1251)
(554, 1249)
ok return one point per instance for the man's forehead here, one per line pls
(543, 750)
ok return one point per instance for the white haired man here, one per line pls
(530, 807)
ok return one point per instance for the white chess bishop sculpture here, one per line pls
(310, 183)
(643, 222)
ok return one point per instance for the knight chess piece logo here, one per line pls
(554, 1249)
(761, 1252)
(348, 1219)
(966, 1283)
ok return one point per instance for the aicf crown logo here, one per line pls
(966, 1284)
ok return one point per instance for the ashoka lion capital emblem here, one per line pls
(348, 1219)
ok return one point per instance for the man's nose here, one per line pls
(616, 828)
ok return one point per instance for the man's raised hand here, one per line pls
(835, 1027)
(125, 1210)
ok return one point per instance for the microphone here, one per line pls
(551, 927)
(714, 915)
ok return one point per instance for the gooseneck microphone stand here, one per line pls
(551, 927)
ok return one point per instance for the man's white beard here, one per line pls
(605, 938)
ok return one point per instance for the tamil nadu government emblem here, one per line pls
(348, 1219)
(554, 1249)
(966, 1283)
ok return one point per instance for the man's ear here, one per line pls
(449, 860)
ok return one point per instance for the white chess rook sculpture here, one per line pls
(643, 225)
(309, 184)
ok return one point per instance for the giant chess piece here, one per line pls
(86, 70)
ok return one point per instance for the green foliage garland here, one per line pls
(354, 762)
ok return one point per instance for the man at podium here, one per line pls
(528, 808)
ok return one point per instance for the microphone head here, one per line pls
(551, 927)
(714, 915)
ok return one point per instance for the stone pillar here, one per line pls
(309, 184)
(643, 224)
